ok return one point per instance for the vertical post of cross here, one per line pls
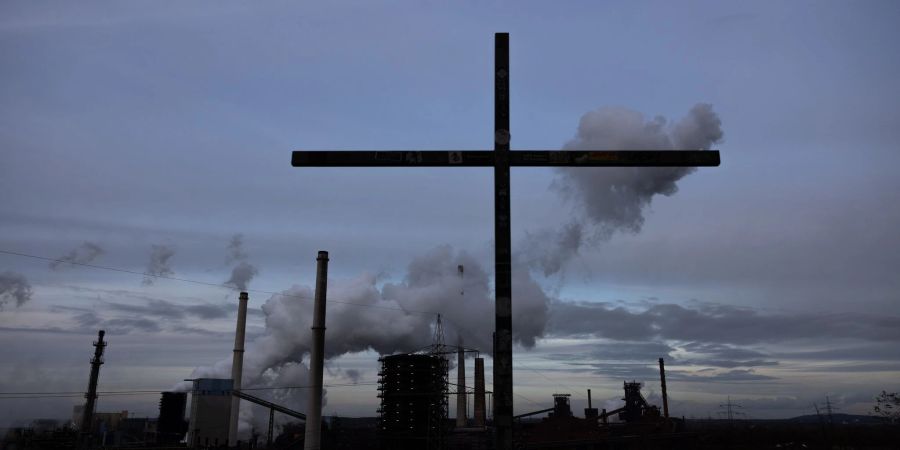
(503, 376)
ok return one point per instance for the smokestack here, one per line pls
(87, 418)
(590, 412)
(237, 366)
(479, 393)
(662, 381)
(317, 357)
(460, 385)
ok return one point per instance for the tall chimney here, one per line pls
(317, 357)
(87, 418)
(662, 381)
(460, 385)
(237, 367)
(479, 393)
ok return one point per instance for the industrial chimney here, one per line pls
(237, 367)
(479, 393)
(662, 381)
(460, 385)
(87, 419)
(317, 357)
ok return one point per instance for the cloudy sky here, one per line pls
(155, 139)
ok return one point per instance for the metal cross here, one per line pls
(501, 158)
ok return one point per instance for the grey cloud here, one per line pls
(730, 364)
(117, 325)
(84, 254)
(158, 266)
(162, 308)
(620, 351)
(14, 288)
(721, 324)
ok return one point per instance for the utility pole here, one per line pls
(730, 413)
(87, 418)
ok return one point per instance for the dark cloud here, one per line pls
(14, 288)
(117, 325)
(714, 323)
(158, 266)
(87, 252)
(165, 309)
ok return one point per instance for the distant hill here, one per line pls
(838, 419)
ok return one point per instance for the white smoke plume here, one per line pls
(158, 266)
(243, 271)
(14, 288)
(84, 254)
(395, 317)
(610, 200)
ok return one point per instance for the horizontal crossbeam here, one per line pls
(530, 158)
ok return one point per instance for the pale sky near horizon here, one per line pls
(770, 279)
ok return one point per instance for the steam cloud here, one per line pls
(397, 317)
(243, 271)
(159, 263)
(14, 288)
(87, 252)
(610, 200)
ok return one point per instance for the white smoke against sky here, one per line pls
(610, 200)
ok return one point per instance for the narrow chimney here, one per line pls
(87, 418)
(237, 367)
(317, 357)
(662, 381)
(479, 393)
(460, 385)
(590, 412)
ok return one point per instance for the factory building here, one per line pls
(413, 392)
(210, 412)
